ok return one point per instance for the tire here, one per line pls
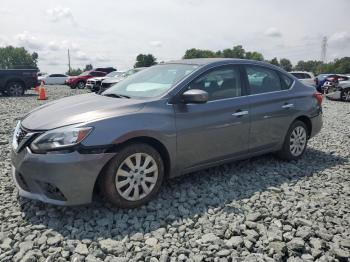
(298, 133)
(118, 177)
(80, 85)
(345, 95)
(15, 89)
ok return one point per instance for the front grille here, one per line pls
(20, 135)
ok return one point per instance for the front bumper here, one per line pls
(60, 179)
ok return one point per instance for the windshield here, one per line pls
(151, 82)
(84, 73)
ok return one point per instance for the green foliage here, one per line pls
(338, 66)
(74, 72)
(274, 61)
(143, 60)
(17, 58)
(88, 67)
(254, 56)
(236, 52)
(199, 53)
(286, 64)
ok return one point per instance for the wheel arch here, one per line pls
(15, 80)
(306, 120)
(155, 143)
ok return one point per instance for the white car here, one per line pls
(94, 84)
(307, 78)
(53, 79)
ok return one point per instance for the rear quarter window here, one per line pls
(286, 81)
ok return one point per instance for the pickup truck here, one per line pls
(14, 82)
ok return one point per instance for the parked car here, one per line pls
(340, 91)
(107, 70)
(331, 82)
(112, 81)
(14, 82)
(94, 84)
(53, 79)
(307, 78)
(80, 80)
(319, 80)
(165, 121)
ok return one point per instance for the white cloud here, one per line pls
(53, 46)
(80, 55)
(5, 11)
(340, 39)
(156, 43)
(60, 13)
(29, 41)
(273, 32)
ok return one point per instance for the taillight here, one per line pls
(318, 97)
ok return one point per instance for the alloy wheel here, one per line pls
(136, 176)
(345, 95)
(15, 89)
(297, 141)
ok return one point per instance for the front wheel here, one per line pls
(345, 95)
(81, 85)
(295, 142)
(133, 177)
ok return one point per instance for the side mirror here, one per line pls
(195, 96)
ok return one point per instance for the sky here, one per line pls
(114, 32)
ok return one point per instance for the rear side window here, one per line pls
(299, 75)
(307, 76)
(263, 80)
(286, 81)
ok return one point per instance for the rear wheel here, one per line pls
(133, 177)
(15, 89)
(295, 142)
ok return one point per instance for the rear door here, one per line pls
(271, 109)
(219, 128)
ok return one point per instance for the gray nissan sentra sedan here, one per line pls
(168, 120)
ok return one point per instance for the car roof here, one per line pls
(303, 72)
(221, 61)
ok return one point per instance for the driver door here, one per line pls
(219, 128)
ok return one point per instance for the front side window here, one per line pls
(262, 80)
(220, 83)
(151, 82)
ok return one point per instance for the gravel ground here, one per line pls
(260, 209)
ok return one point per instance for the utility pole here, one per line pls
(69, 68)
(324, 49)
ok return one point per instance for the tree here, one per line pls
(17, 57)
(254, 56)
(143, 60)
(74, 72)
(309, 66)
(199, 53)
(274, 61)
(88, 67)
(286, 64)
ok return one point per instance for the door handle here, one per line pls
(240, 113)
(286, 106)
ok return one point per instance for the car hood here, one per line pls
(78, 109)
(113, 80)
(97, 78)
(344, 83)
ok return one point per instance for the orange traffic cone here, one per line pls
(42, 95)
(36, 89)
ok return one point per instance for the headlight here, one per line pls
(59, 138)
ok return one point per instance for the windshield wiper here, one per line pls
(116, 95)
